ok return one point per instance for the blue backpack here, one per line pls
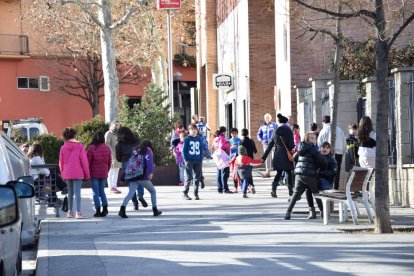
(135, 166)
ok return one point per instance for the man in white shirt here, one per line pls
(340, 144)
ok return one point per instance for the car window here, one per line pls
(34, 132)
(23, 132)
(7, 206)
(15, 162)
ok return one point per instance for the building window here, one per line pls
(41, 83)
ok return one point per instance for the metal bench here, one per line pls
(355, 190)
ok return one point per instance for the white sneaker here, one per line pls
(79, 215)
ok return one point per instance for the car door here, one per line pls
(10, 229)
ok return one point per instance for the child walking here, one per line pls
(100, 161)
(326, 179)
(144, 152)
(193, 157)
(179, 157)
(251, 149)
(244, 168)
(234, 142)
(74, 167)
(308, 160)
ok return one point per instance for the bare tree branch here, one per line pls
(399, 31)
(124, 19)
(358, 13)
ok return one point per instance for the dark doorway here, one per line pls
(229, 117)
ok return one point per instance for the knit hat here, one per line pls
(281, 119)
(242, 150)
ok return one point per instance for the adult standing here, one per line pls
(263, 135)
(367, 143)
(220, 142)
(127, 142)
(340, 144)
(282, 136)
(111, 139)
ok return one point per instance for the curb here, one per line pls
(42, 259)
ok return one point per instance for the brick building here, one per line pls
(265, 52)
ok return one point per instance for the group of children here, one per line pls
(315, 168)
(190, 149)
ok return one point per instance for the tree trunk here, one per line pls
(336, 80)
(382, 211)
(95, 103)
(111, 86)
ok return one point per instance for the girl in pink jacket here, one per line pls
(74, 167)
(220, 142)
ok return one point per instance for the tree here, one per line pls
(74, 25)
(374, 16)
(83, 78)
(150, 120)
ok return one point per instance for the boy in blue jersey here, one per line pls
(203, 127)
(235, 142)
(192, 153)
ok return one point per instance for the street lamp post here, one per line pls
(169, 5)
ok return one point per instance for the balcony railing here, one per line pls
(14, 44)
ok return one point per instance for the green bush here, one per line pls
(150, 120)
(51, 147)
(87, 129)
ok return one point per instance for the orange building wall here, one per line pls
(56, 108)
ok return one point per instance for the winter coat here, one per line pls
(296, 140)
(123, 152)
(331, 169)
(249, 145)
(266, 131)
(148, 165)
(308, 160)
(220, 142)
(111, 139)
(100, 160)
(234, 142)
(367, 151)
(178, 152)
(73, 162)
(280, 160)
(325, 136)
(38, 160)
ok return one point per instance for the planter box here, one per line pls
(166, 175)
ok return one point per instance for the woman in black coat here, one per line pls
(280, 162)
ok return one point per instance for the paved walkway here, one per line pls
(222, 234)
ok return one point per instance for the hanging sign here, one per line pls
(168, 4)
(222, 81)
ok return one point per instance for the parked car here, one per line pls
(28, 129)
(14, 165)
(10, 227)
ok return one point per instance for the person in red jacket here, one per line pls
(74, 167)
(244, 168)
(100, 161)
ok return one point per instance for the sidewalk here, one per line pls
(222, 234)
